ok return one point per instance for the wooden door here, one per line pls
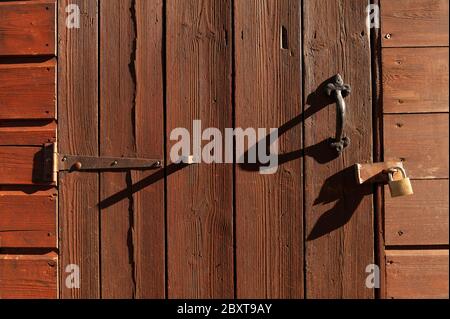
(135, 70)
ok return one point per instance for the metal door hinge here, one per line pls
(55, 162)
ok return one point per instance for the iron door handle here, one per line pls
(338, 90)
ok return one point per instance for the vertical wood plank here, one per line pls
(199, 197)
(132, 229)
(339, 221)
(78, 134)
(117, 138)
(269, 208)
(149, 122)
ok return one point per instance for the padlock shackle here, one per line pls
(394, 169)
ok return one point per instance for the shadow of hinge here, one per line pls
(55, 162)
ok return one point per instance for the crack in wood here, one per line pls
(132, 67)
(129, 179)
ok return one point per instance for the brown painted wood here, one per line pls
(28, 277)
(199, 197)
(27, 28)
(132, 229)
(28, 90)
(149, 118)
(417, 274)
(412, 23)
(419, 219)
(78, 134)
(420, 141)
(339, 219)
(27, 133)
(415, 80)
(28, 219)
(21, 165)
(117, 93)
(269, 208)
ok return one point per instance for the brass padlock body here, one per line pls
(400, 187)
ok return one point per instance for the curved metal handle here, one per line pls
(339, 91)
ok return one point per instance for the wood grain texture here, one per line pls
(28, 219)
(27, 28)
(28, 277)
(21, 165)
(132, 229)
(78, 134)
(414, 23)
(419, 219)
(149, 118)
(117, 138)
(420, 141)
(269, 208)
(415, 80)
(339, 219)
(414, 274)
(27, 133)
(28, 90)
(199, 197)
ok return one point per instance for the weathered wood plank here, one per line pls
(413, 23)
(78, 134)
(27, 133)
(132, 229)
(117, 138)
(27, 28)
(28, 277)
(415, 80)
(420, 141)
(28, 219)
(419, 219)
(414, 274)
(339, 225)
(21, 165)
(28, 90)
(199, 197)
(149, 117)
(269, 208)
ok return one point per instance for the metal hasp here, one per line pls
(92, 163)
(374, 172)
(338, 90)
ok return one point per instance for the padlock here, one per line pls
(400, 187)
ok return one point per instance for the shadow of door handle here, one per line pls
(338, 90)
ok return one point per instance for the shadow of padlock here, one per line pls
(401, 187)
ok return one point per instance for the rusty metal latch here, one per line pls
(55, 162)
